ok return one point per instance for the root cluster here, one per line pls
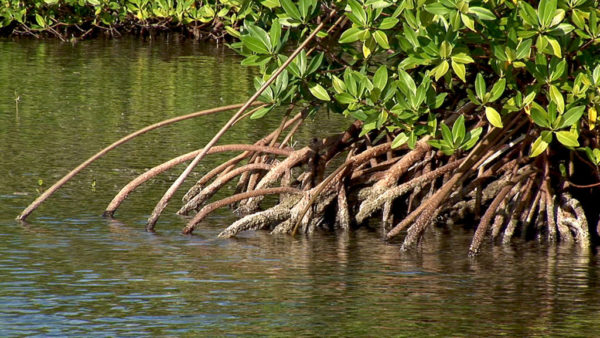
(345, 181)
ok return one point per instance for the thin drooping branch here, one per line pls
(162, 204)
(189, 228)
(126, 190)
(47, 193)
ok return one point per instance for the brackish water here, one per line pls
(71, 272)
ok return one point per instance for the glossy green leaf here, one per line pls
(381, 77)
(458, 130)
(382, 39)
(493, 117)
(399, 140)
(319, 92)
(459, 70)
(540, 144)
(440, 70)
(482, 13)
(567, 138)
(557, 98)
(571, 117)
(480, 88)
(290, 9)
(497, 90)
(254, 44)
(351, 35)
(388, 23)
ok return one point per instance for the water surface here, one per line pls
(71, 272)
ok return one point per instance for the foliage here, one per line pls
(58, 16)
(402, 67)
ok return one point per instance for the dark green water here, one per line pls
(71, 272)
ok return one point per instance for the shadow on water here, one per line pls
(71, 272)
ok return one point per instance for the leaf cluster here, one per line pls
(402, 67)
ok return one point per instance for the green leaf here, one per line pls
(540, 144)
(459, 70)
(540, 117)
(567, 138)
(524, 49)
(467, 21)
(407, 82)
(381, 39)
(358, 11)
(440, 70)
(546, 9)
(261, 112)
(558, 71)
(291, 9)
(314, 64)
(437, 9)
(571, 117)
(458, 130)
(338, 84)
(345, 98)
(498, 89)
(493, 117)
(318, 91)
(380, 78)
(275, 32)
(462, 58)
(399, 140)
(446, 133)
(555, 46)
(351, 35)
(480, 86)
(254, 44)
(482, 13)
(557, 98)
(445, 49)
(388, 23)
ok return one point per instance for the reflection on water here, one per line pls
(71, 272)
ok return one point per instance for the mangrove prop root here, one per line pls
(162, 204)
(372, 204)
(131, 186)
(579, 224)
(48, 192)
(523, 200)
(211, 189)
(486, 219)
(274, 174)
(550, 218)
(189, 228)
(343, 213)
(257, 221)
(230, 164)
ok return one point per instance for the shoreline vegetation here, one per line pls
(465, 112)
(74, 20)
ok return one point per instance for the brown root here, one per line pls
(189, 228)
(131, 186)
(210, 190)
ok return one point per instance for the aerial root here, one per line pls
(295, 158)
(206, 193)
(189, 228)
(132, 185)
(258, 221)
(575, 219)
(375, 202)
